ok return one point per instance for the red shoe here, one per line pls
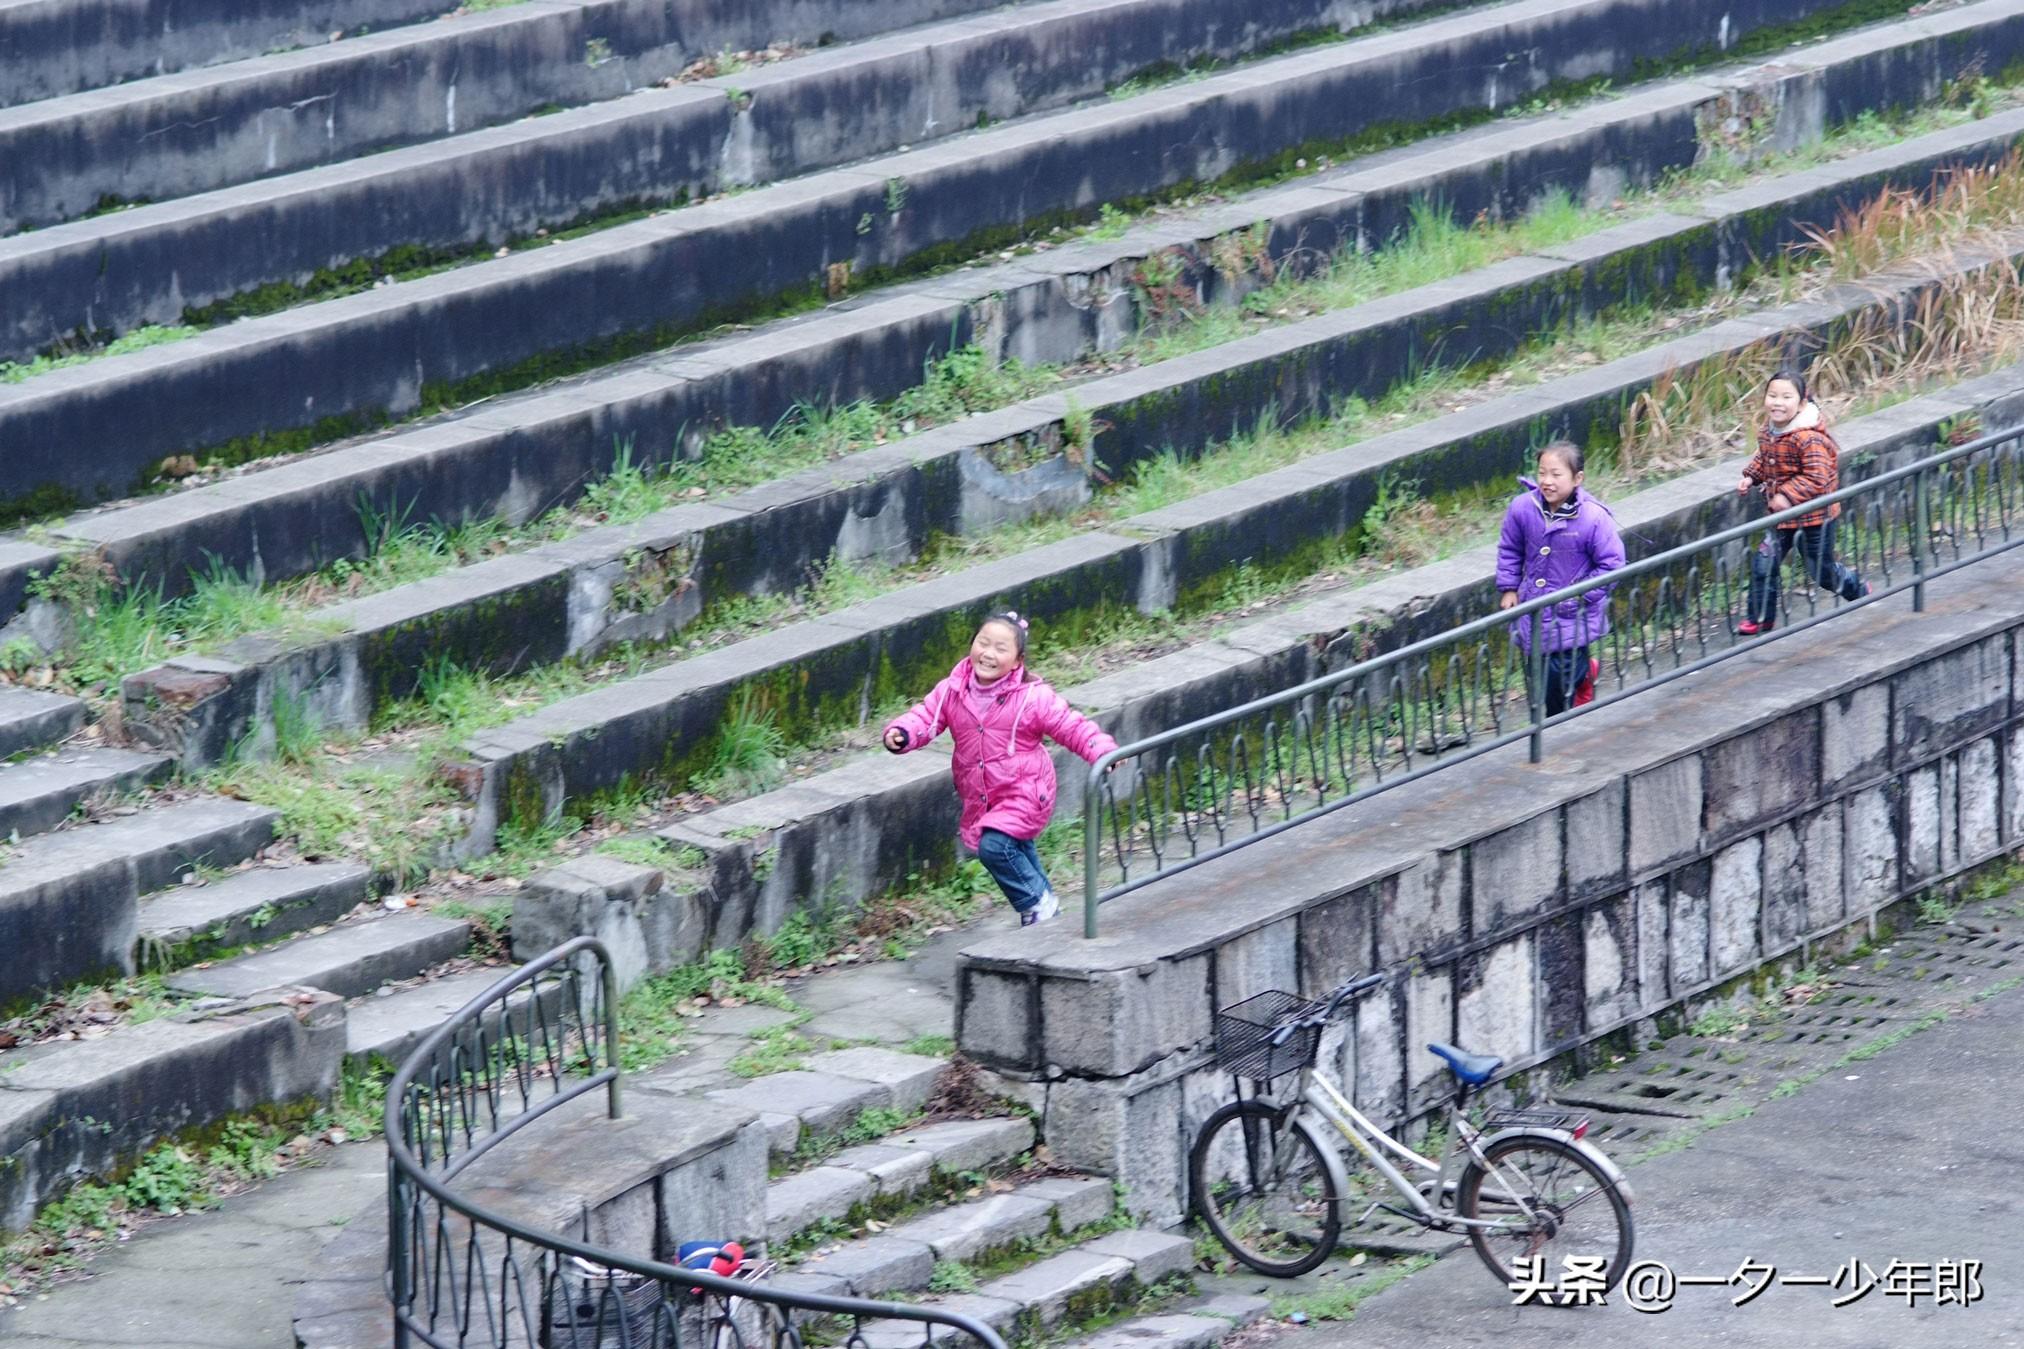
(1750, 627)
(1584, 692)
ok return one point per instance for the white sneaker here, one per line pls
(1048, 907)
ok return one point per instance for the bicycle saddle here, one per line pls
(1475, 1069)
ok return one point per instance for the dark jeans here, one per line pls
(1015, 864)
(1564, 669)
(1816, 551)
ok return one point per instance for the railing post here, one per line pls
(1922, 530)
(397, 1255)
(1092, 846)
(1535, 697)
(614, 1105)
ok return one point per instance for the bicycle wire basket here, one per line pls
(589, 1303)
(1244, 1036)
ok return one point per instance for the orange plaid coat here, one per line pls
(1802, 463)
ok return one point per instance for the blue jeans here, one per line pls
(1015, 864)
(1816, 549)
(1564, 670)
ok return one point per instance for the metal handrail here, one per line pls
(452, 1089)
(1203, 798)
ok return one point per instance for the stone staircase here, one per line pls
(958, 1213)
(101, 877)
(831, 173)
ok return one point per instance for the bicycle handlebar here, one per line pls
(1282, 1034)
(1348, 991)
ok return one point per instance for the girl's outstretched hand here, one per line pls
(1743, 485)
(895, 739)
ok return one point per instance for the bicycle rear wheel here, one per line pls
(1261, 1182)
(1575, 1210)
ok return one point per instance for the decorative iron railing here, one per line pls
(459, 1274)
(1175, 800)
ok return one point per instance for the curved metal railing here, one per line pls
(1223, 782)
(462, 1274)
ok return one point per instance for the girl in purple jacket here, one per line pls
(997, 714)
(1556, 535)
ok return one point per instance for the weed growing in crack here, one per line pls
(750, 752)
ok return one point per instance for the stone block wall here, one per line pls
(1668, 847)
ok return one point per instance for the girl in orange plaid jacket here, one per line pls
(1796, 461)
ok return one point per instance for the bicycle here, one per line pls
(1524, 1187)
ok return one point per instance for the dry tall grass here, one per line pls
(1971, 316)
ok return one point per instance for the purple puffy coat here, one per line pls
(1539, 553)
(1004, 775)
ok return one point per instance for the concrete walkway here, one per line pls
(224, 1279)
(1908, 1156)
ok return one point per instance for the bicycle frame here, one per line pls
(1371, 1142)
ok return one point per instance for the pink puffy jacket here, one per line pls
(1003, 773)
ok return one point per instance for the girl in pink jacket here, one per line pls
(997, 714)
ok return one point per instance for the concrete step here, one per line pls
(49, 48)
(1077, 1285)
(69, 900)
(217, 126)
(827, 1096)
(903, 1257)
(1186, 1325)
(371, 356)
(196, 922)
(288, 519)
(932, 485)
(388, 1024)
(31, 719)
(87, 1108)
(480, 188)
(348, 960)
(877, 1176)
(38, 794)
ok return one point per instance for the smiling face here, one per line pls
(1781, 401)
(1557, 480)
(993, 651)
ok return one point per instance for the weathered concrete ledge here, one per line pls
(1671, 844)
(828, 670)
(100, 277)
(649, 1181)
(867, 827)
(76, 1110)
(523, 454)
(72, 898)
(213, 127)
(350, 362)
(208, 128)
(643, 582)
(49, 48)
(30, 719)
(661, 1175)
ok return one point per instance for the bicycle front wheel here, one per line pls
(1261, 1182)
(1550, 1200)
